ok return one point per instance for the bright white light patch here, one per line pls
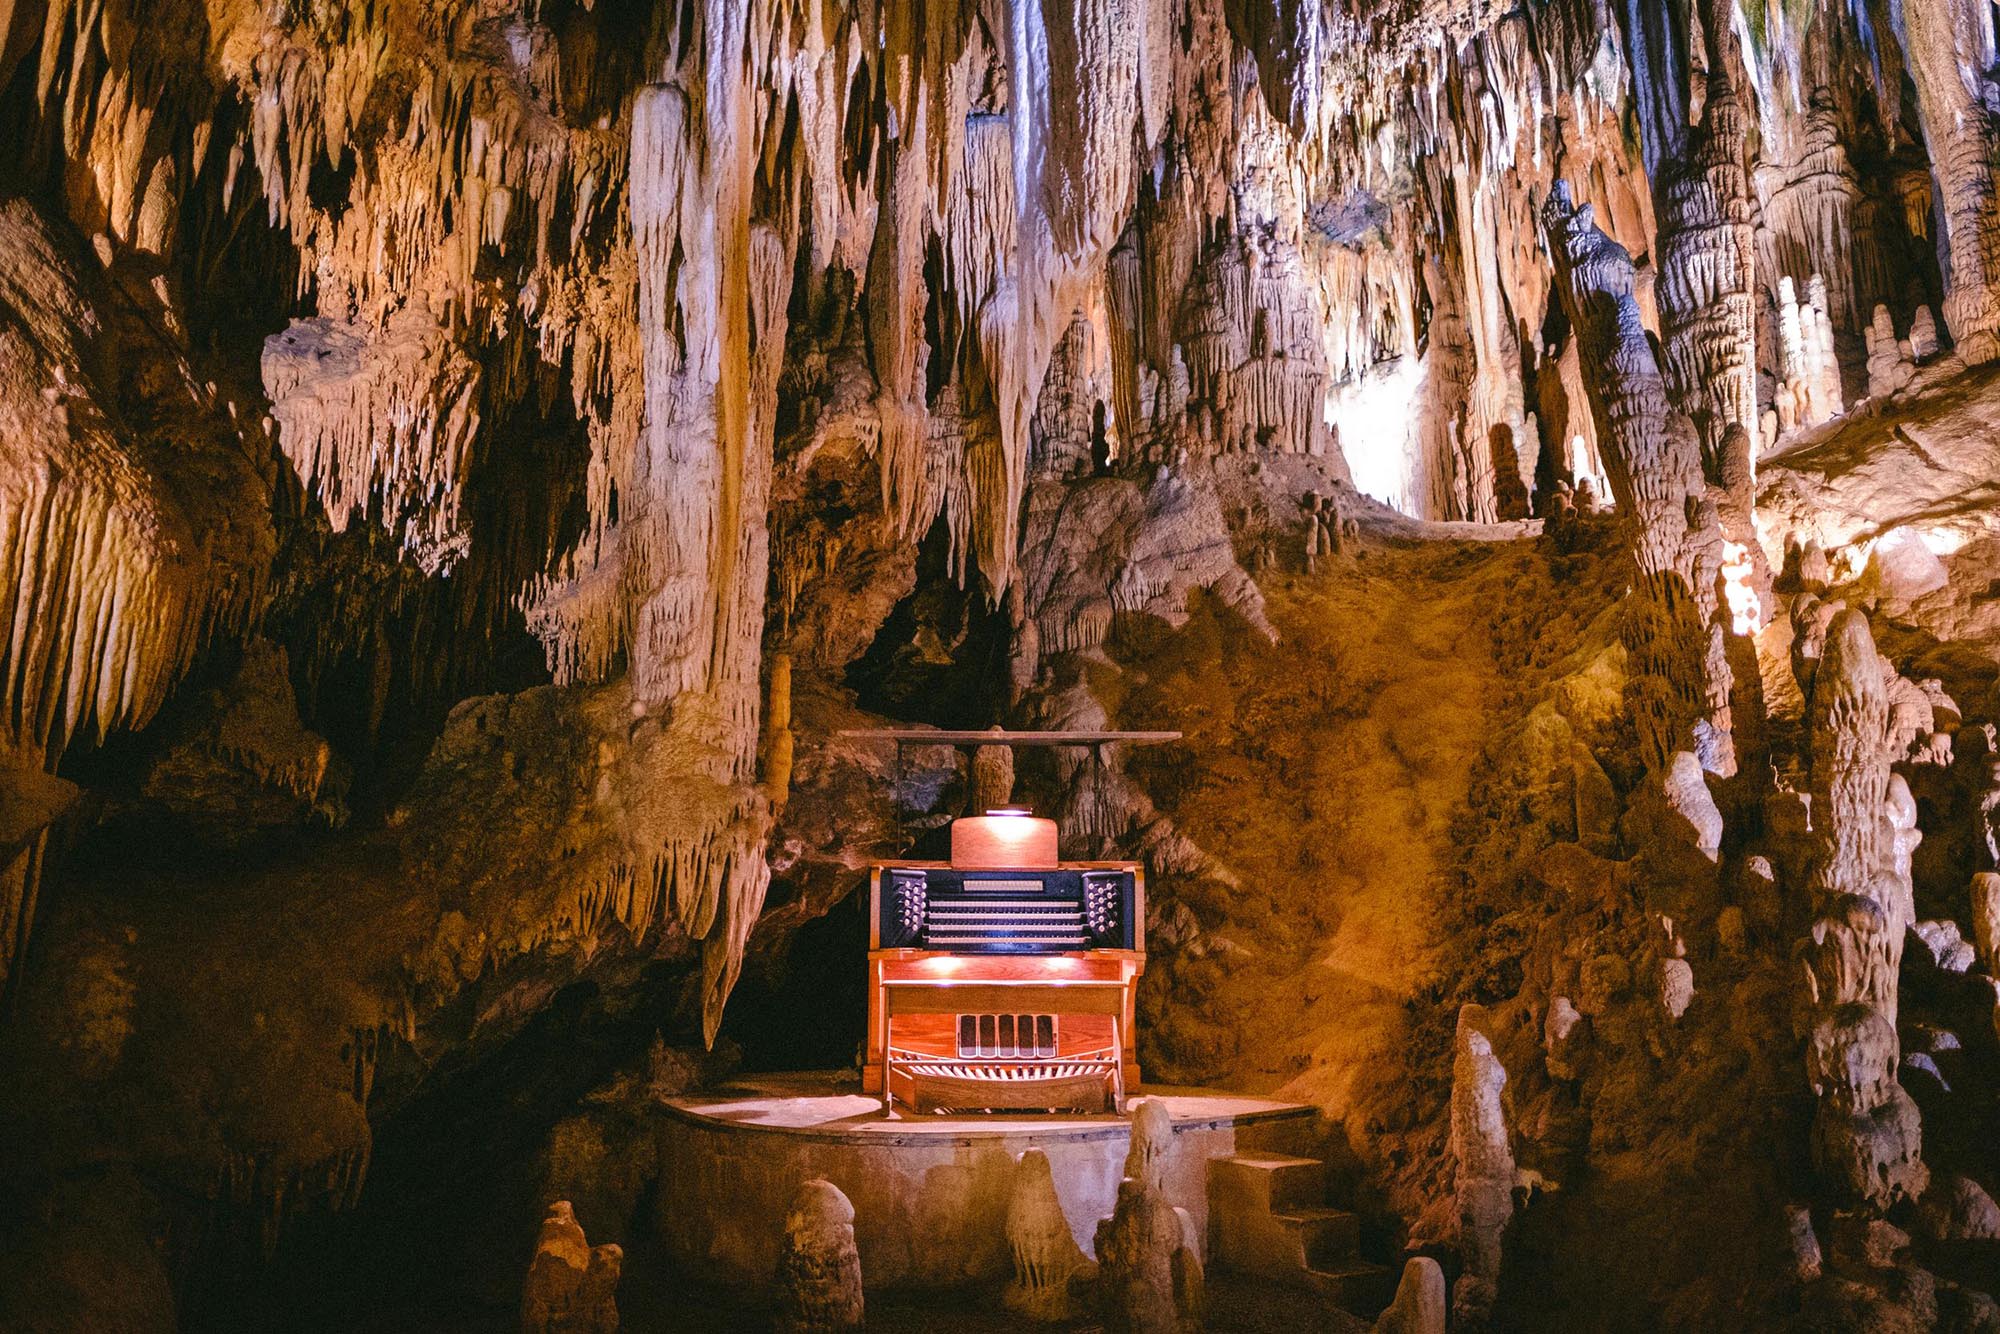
(1746, 612)
(1371, 418)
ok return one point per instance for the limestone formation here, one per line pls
(1149, 1273)
(1923, 335)
(1419, 1307)
(1682, 809)
(1866, 1136)
(1890, 368)
(1024, 646)
(1805, 1247)
(1708, 264)
(819, 1271)
(1809, 390)
(1047, 1259)
(1943, 55)
(469, 472)
(571, 1287)
(779, 743)
(1564, 1035)
(992, 777)
(1676, 986)
(1151, 1141)
(1149, 1278)
(1986, 920)
(1956, 1208)
(1483, 1156)
(1256, 364)
(1681, 678)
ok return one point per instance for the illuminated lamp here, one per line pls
(1010, 837)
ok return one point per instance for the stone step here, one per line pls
(1326, 1238)
(1267, 1182)
(1355, 1285)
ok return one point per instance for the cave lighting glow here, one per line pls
(1371, 417)
(1942, 541)
(1746, 611)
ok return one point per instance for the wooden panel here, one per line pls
(1084, 997)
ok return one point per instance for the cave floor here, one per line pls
(650, 1300)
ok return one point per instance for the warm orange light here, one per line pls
(1003, 840)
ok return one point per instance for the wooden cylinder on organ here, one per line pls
(1000, 840)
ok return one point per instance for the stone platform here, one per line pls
(930, 1192)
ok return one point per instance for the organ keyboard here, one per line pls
(1005, 911)
(1003, 986)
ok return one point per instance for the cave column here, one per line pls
(1958, 132)
(1707, 279)
(1681, 677)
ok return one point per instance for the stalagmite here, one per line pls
(1809, 390)
(1149, 1259)
(1681, 679)
(1024, 645)
(992, 777)
(1046, 1256)
(1149, 1273)
(1866, 1138)
(819, 1270)
(571, 1286)
(1923, 335)
(1889, 366)
(1420, 1305)
(1484, 1159)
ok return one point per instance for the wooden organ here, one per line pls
(1004, 978)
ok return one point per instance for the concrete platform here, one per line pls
(930, 1192)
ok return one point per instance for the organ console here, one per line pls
(1004, 978)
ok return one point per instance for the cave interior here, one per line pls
(1403, 595)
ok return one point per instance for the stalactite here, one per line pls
(380, 423)
(1708, 270)
(1681, 678)
(1256, 366)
